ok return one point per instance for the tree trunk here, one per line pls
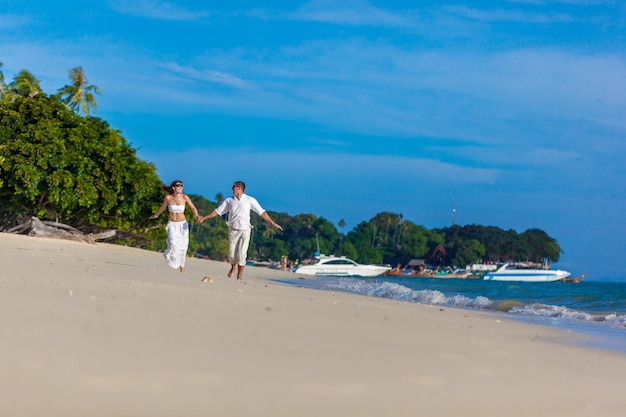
(58, 231)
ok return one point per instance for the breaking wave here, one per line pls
(397, 291)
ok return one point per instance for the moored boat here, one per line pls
(418, 269)
(574, 279)
(509, 273)
(340, 266)
(396, 272)
(429, 274)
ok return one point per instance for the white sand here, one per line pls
(103, 330)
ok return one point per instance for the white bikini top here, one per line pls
(173, 208)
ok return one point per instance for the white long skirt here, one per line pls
(177, 243)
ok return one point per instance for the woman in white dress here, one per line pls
(177, 227)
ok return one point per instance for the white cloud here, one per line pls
(396, 91)
(155, 9)
(506, 15)
(352, 12)
(204, 75)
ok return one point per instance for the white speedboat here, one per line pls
(509, 273)
(340, 267)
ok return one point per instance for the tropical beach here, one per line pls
(106, 330)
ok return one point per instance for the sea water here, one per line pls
(595, 309)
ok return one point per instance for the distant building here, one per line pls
(437, 256)
(481, 267)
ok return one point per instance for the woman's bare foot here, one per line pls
(182, 269)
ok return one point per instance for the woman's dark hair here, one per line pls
(170, 189)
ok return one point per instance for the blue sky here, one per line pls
(512, 112)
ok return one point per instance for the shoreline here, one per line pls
(591, 332)
(104, 330)
(588, 334)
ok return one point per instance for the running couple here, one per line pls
(237, 207)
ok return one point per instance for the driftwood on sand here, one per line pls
(57, 230)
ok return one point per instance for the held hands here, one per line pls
(154, 216)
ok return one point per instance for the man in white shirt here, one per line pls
(238, 208)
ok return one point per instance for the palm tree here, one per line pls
(79, 95)
(3, 86)
(341, 224)
(219, 197)
(24, 84)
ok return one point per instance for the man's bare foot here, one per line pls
(232, 270)
(240, 271)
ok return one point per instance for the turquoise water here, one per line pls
(597, 309)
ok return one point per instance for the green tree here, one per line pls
(342, 225)
(79, 96)
(418, 242)
(466, 252)
(210, 238)
(24, 85)
(348, 250)
(58, 165)
(540, 245)
(498, 245)
(365, 238)
(3, 86)
(303, 233)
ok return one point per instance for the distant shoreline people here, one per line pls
(238, 208)
(177, 226)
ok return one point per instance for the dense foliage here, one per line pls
(385, 238)
(58, 164)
